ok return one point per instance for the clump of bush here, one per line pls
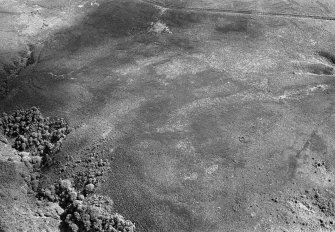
(33, 133)
(87, 219)
(61, 192)
(38, 139)
(94, 213)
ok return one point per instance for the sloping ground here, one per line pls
(18, 207)
(24, 27)
(211, 122)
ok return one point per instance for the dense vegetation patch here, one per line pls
(33, 133)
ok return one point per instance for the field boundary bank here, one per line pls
(243, 12)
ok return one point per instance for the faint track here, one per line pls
(2, 12)
(243, 12)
